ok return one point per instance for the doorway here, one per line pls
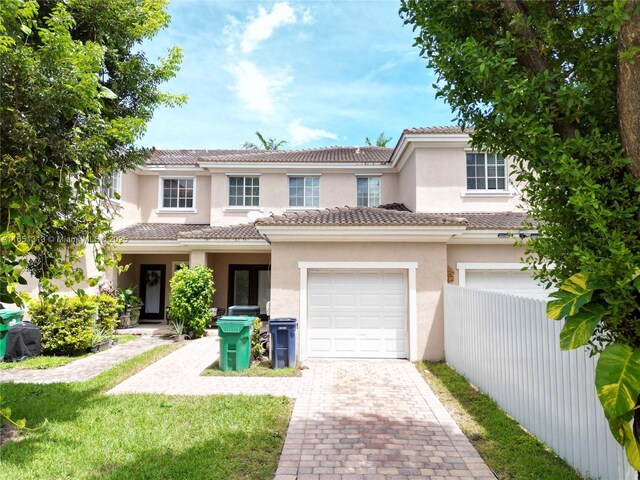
(249, 285)
(152, 286)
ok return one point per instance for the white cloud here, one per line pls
(259, 91)
(262, 26)
(247, 36)
(299, 134)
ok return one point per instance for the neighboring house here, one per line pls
(301, 229)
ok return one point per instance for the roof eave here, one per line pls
(359, 233)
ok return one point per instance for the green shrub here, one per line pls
(257, 350)
(67, 326)
(191, 293)
(107, 314)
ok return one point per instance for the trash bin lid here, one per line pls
(234, 324)
(8, 315)
(283, 321)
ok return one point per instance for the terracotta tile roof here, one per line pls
(494, 220)
(172, 231)
(384, 216)
(370, 216)
(452, 129)
(245, 231)
(355, 155)
(185, 156)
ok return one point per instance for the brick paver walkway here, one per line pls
(352, 420)
(179, 374)
(374, 420)
(85, 368)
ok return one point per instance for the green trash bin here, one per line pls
(8, 318)
(235, 342)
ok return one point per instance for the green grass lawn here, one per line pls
(91, 435)
(509, 451)
(51, 361)
(260, 370)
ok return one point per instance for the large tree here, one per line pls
(76, 91)
(264, 143)
(556, 85)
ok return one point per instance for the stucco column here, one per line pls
(197, 257)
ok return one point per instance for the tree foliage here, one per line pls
(76, 92)
(264, 143)
(556, 85)
(381, 141)
(191, 293)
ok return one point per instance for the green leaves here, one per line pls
(618, 387)
(573, 294)
(618, 379)
(579, 328)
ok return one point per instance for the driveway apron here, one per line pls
(375, 420)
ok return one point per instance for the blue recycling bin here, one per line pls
(283, 342)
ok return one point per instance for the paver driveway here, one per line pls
(352, 420)
(375, 420)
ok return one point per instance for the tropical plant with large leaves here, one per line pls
(555, 85)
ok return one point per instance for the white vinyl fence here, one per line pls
(506, 347)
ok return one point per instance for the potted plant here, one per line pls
(129, 306)
(177, 326)
(100, 341)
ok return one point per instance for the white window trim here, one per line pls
(176, 263)
(358, 177)
(463, 267)
(161, 180)
(304, 196)
(246, 208)
(118, 190)
(486, 192)
(409, 267)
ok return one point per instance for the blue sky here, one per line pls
(314, 73)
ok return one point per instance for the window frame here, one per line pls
(487, 177)
(115, 186)
(162, 208)
(244, 197)
(305, 205)
(368, 178)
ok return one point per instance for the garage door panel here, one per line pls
(319, 322)
(516, 282)
(345, 322)
(357, 314)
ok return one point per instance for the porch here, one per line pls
(240, 278)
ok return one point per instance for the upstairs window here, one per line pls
(304, 191)
(112, 186)
(486, 171)
(178, 193)
(368, 191)
(244, 191)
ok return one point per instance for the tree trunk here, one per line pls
(628, 94)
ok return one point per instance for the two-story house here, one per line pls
(354, 242)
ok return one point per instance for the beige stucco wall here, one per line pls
(148, 186)
(407, 183)
(127, 206)
(219, 263)
(336, 190)
(503, 253)
(441, 180)
(430, 276)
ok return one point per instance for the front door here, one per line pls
(152, 282)
(249, 285)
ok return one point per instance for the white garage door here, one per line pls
(515, 282)
(360, 314)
